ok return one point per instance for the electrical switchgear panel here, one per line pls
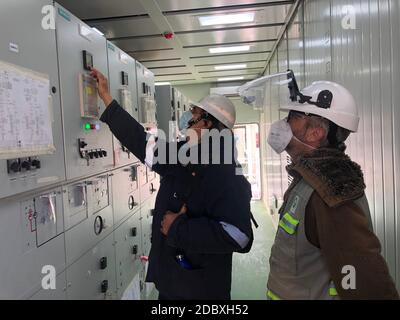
(146, 96)
(90, 277)
(171, 104)
(88, 215)
(31, 236)
(88, 142)
(23, 173)
(126, 195)
(122, 81)
(128, 251)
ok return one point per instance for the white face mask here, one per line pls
(280, 136)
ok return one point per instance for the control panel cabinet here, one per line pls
(146, 97)
(31, 243)
(88, 142)
(128, 247)
(89, 221)
(123, 87)
(126, 194)
(92, 277)
(24, 43)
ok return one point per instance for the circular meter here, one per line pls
(98, 225)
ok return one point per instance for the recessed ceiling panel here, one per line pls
(255, 47)
(209, 68)
(140, 44)
(230, 73)
(190, 21)
(166, 71)
(164, 63)
(155, 55)
(173, 5)
(98, 9)
(238, 58)
(126, 27)
(238, 35)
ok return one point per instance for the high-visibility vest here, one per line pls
(297, 268)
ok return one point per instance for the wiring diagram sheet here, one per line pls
(25, 112)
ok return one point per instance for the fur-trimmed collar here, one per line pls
(333, 175)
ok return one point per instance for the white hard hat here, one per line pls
(220, 108)
(341, 108)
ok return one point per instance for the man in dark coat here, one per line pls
(202, 211)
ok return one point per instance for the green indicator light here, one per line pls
(87, 126)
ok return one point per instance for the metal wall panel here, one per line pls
(317, 40)
(283, 66)
(394, 7)
(296, 47)
(365, 60)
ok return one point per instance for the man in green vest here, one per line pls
(325, 247)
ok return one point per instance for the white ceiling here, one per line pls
(137, 27)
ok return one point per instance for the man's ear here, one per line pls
(317, 134)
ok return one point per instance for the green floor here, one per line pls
(250, 270)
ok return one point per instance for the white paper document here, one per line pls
(25, 117)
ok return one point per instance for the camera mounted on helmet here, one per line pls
(324, 99)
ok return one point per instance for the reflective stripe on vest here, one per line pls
(272, 295)
(288, 223)
(332, 290)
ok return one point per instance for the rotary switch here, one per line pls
(103, 263)
(104, 286)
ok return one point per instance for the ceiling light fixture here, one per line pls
(226, 19)
(162, 83)
(231, 67)
(229, 49)
(230, 78)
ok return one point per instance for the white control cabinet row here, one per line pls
(65, 52)
(94, 234)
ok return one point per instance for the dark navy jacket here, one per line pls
(213, 194)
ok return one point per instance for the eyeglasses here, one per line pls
(203, 116)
